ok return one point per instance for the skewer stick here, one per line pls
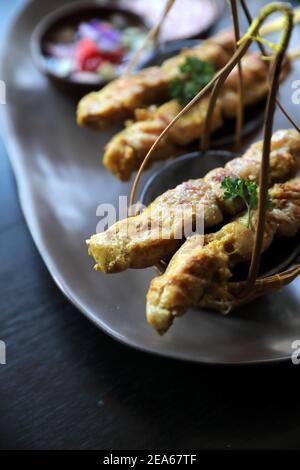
(287, 10)
(212, 103)
(152, 35)
(277, 24)
(253, 287)
(240, 107)
(260, 45)
(228, 67)
(216, 82)
(264, 285)
(205, 138)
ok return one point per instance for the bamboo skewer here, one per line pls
(205, 140)
(253, 286)
(263, 285)
(152, 35)
(276, 25)
(216, 84)
(228, 68)
(260, 45)
(268, 128)
(240, 108)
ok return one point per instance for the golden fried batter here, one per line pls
(121, 97)
(200, 270)
(142, 241)
(127, 149)
(125, 152)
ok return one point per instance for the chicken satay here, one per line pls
(284, 158)
(141, 241)
(136, 242)
(216, 50)
(119, 99)
(125, 152)
(255, 83)
(255, 88)
(127, 149)
(199, 272)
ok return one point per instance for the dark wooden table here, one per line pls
(67, 385)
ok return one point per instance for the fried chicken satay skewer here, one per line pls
(199, 272)
(271, 27)
(125, 152)
(119, 99)
(143, 240)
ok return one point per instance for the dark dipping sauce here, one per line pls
(186, 19)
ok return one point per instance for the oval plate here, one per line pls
(61, 182)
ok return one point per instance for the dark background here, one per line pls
(67, 385)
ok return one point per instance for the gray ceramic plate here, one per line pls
(61, 181)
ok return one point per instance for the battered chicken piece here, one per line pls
(121, 97)
(117, 100)
(199, 272)
(141, 241)
(214, 50)
(127, 149)
(255, 83)
(190, 126)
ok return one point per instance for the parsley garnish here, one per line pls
(195, 74)
(235, 187)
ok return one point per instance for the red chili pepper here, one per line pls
(86, 54)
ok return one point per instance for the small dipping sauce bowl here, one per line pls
(85, 45)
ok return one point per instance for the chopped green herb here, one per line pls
(235, 187)
(194, 75)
